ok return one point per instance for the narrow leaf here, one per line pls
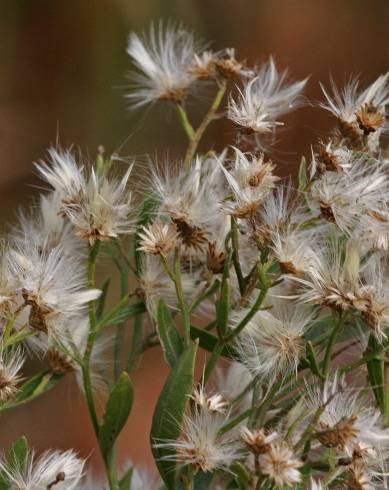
(169, 413)
(376, 373)
(223, 308)
(171, 341)
(17, 455)
(208, 341)
(100, 302)
(37, 385)
(121, 312)
(125, 480)
(303, 176)
(116, 414)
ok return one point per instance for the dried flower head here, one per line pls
(281, 464)
(190, 200)
(10, 365)
(257, 440)
(52, 470)
(213, 403)
(99, 207)
(46, 226)
(347, 420)
(272, 343)
(250, 180)
(343, 198)
(334, 280)
(51, 284)
(359, 113)
(201, 444)
(157, 239)
(264, 99)
(164, 60)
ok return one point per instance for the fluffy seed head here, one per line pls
(157, 239)
(164, 60)
(264, 99)
(280, 464)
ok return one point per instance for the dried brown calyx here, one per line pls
(340, 434)
(59, 362)
(60, 477)
(257, 441)
(192, 236)
(38, 313)
(288, 267)
(216, 258)
(352, 133)
(370, 118)
(327, 213)
(327, 160)
(174, 95)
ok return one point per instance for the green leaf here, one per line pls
(169, 413)
(17, 455)
(202, 480)
(242, 475)
(116, 414)
(37, 385)
(125, 480)
(376, 373)
(303, 176)
(223, 308)
(100, 302)
(208, 342)
(171, 341)
(121, 312)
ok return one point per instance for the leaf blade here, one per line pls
(169, 413)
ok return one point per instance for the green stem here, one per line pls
(120, 329)
(235, 255)
(93, 251)
(212, 361)
(7, 331)
(331, 343)
(266, 404)
(195, 138)
(136, 346)
(188, 128)
(237, 420)
(256, 306)
(110, 465)
(189, 485)
(175, 276)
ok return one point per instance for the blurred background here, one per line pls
(63, 78)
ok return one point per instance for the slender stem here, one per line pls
(264, 289)
(188, 128)
(234, 422)
(8, 331)
(93, 251)
(331, 343)
(120, 329)
(188, 480)
(111, 473)
(136, 345)
(235, 255)
(195, 138)
(175, 276)
(212, 361)
(266, 404)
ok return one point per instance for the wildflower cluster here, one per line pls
(286, 287)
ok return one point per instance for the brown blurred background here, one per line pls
(63, 78)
